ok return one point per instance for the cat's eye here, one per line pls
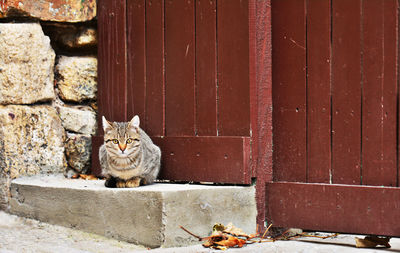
(115, 141)
(130, 140)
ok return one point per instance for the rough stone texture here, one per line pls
(32, 140)
(50, 10)
(77, 78)
(147, 215)
(78, 149)
(78, 119)
(5, 183)
(26, 64)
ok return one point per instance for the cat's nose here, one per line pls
(122, 147)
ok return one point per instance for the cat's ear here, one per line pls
(106, 124)
(135, 122)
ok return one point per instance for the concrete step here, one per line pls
(148, 215)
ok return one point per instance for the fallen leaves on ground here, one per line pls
(372, 242)
(224, 237)
(84, 176)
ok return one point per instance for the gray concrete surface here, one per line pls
(148, 215)
(26, 235)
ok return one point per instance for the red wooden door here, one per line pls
(336, 116)
(184, 67)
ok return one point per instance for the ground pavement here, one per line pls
(26, 235)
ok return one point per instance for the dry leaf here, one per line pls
(220, 247)
(88, 177)
(231, 229)
(231, 242)
(372, 242)
(218, 227)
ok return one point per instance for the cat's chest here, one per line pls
(125, 173)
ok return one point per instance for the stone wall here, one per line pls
(48, 87)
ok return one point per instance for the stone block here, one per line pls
(31, 141)
(148, 215)
(77, 78)
(78, 119)
(50, 10)
(26, 64)
(78, 150)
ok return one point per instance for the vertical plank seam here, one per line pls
(195, 90)
(306, 93)
(382, 88)
(397, 94)
(362, 86)
(145, 63)
(216, 67)
(164, 74)
(331, 91)
(125, 6)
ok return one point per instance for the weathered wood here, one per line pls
(336, 208)
(155, 64)
(233, 68)
(379, 93)
(136, 76)
(289, 89)
(180, 68)
(262, 159)
(112, 73)
(112, 69)
(206, 159)
(318, 91)
(346, 92)
(206, 68)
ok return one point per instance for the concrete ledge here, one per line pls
(148, 215)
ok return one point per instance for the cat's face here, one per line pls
(122, 138)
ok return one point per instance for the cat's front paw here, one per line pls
(121, 184)
(110, 182)
(132, 183)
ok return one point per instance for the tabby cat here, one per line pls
(128, 157)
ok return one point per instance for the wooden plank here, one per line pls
(336, 208)
(112, 60)
(180, 67)
(155, 63)
(379, 93)
(391, 41)
(253, 87)
(346, 92)
(263, 139)
(289, 89)
(318, 91)
(207, 159)
(112, 72)
(206, 72)
(233, 68)
(136, 44)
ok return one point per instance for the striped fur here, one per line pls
(128, 157)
